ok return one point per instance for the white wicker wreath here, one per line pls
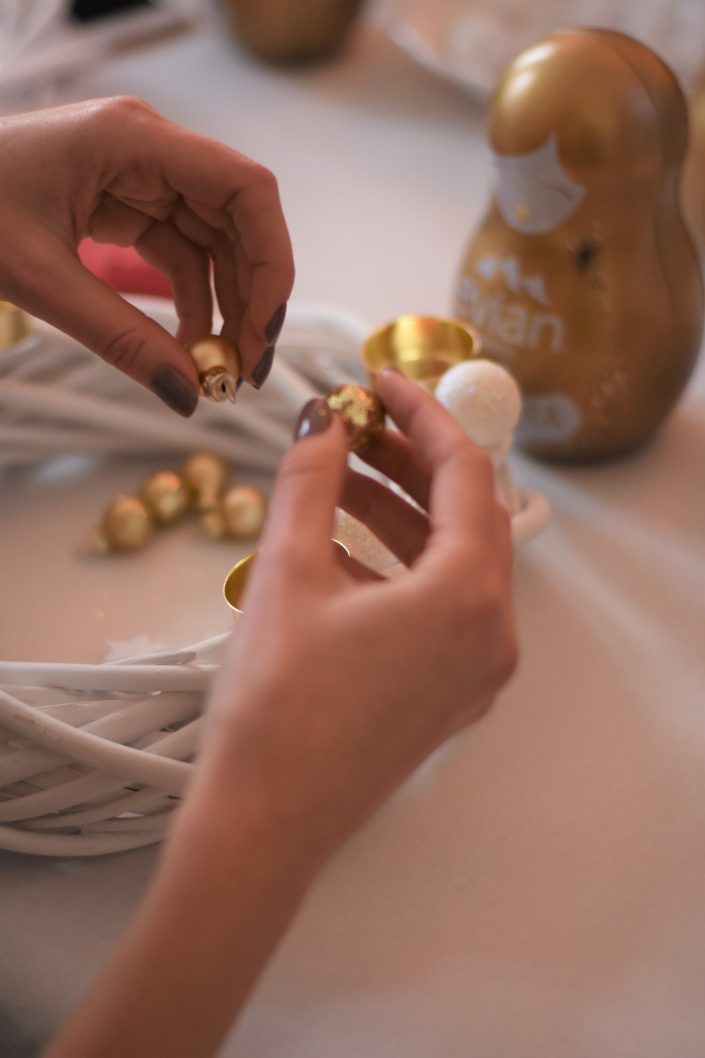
(93, 758)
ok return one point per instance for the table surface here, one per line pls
(537, 888)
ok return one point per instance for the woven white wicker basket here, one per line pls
(94, 758)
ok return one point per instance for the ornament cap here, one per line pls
(219, 386)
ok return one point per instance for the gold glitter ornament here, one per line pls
(206, 475)
(361, 411)
(166, 497)
(244, 509)
(581, 278)
(126, 526)
(218, 366)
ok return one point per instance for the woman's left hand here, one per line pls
(116, 170)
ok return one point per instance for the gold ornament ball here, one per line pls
(361, 411)
(127, 524)
(244, 509)
(213, 523)
(218, 365)
(206, 475)
(166, 497)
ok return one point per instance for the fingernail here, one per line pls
(175, 390)
(273, 328)
(315, 417)
(264, 366)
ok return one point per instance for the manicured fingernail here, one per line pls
(315, 417)
(273, 328)
(263, 367)
(175, 390)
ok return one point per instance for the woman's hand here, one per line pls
(335, 687)
(337, 684)
(117, 171)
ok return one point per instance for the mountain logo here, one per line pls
(509, 308)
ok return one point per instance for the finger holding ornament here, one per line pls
(306, 492)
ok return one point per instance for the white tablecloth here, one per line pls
(538, 890)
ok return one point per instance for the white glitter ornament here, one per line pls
(485, 400)
(483, 397)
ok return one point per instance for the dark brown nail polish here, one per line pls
(315, 417)
(263, 367)
(273, 328)
(175, 390)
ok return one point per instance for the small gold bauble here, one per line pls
(218, 366)
(361, 411)
(127, 525)
(213, 523)
(206, 475)
(166, 497)
(244, 509)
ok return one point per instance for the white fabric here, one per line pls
(537, 891)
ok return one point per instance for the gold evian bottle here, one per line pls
(581, 278)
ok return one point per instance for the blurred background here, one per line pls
(53, 51)
(46, 45)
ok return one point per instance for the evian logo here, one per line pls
(508, 307)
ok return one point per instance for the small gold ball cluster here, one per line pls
(225, 511)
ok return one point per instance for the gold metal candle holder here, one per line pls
(236, 580)
(420, 347)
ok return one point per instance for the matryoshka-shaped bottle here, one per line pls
(581, 278)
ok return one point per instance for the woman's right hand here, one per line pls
(336, 685)
(334, 688)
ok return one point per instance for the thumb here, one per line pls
(68, 296)
(307, 490)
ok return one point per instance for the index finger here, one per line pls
(214, 176)
(461, 479)
(153, 162)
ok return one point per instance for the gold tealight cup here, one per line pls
(236, 580)
(420, 347)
